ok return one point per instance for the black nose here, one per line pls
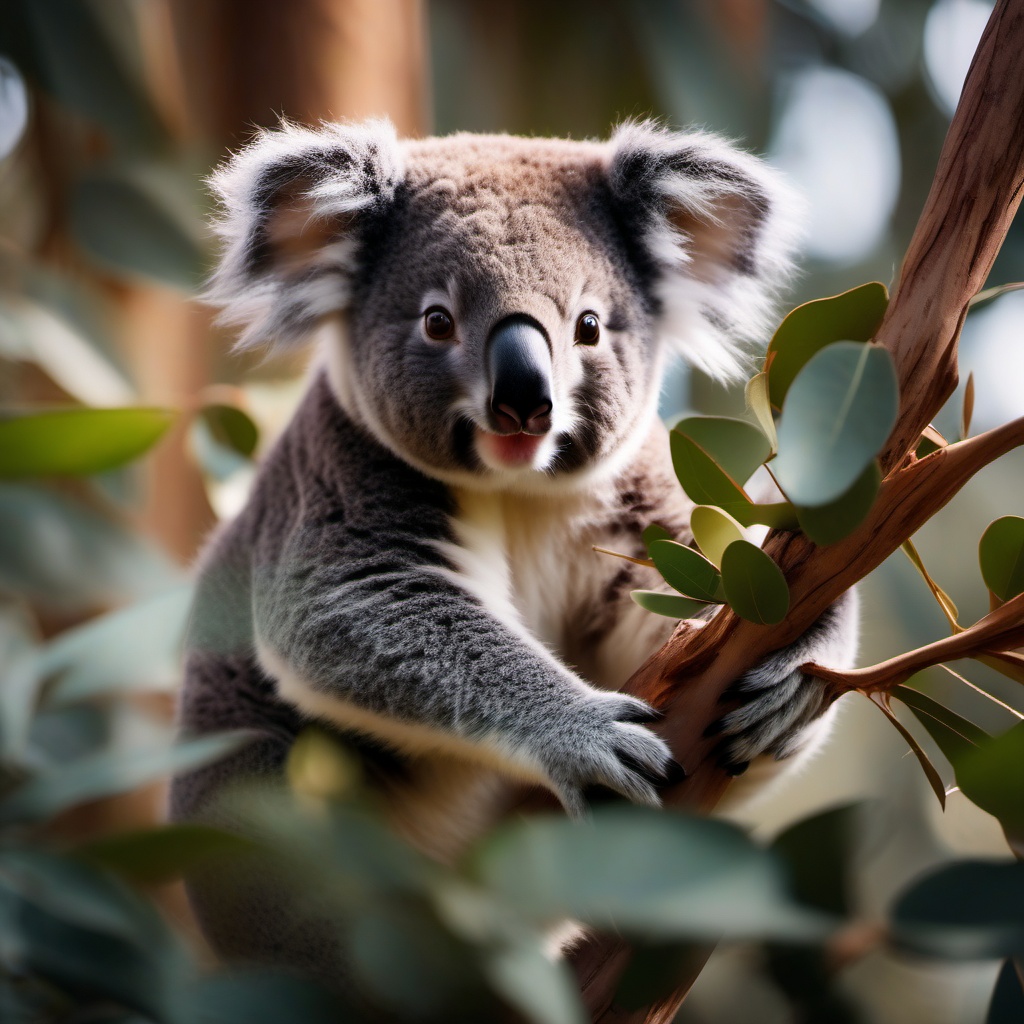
(519, 365)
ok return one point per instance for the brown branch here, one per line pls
(1002, 629)
(976, 191)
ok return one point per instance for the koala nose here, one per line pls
(519, 366)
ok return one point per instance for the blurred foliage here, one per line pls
(97, 193)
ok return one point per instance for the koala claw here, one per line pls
(772, 720)
(613, 751)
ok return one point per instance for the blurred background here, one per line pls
(113, 111)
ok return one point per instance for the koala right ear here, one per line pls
(291, 203)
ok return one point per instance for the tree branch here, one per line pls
(976, 191)
(1000, 630)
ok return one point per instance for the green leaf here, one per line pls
(87, 934)
(853, 315)
(13, 107)
(949, 609)
(704, 481)
(953, 733)
(231, 427)
(759, 403)
(1007, 1006)
(543, 989)
(655, 532)
(125, 226)
(838, 414)
(967, 414)
(931, 773)
(81, 67)
(64, 557)
(779, 515)
(830, 523)
(735, 445)
(109, 772)
(77, 442)
(685, 569)
(410, 963)
(134, 648)
(1001, 553)
(990, 775)
(819, 852)
(256, 996)
(714, 530)
(672, 606)
(640, 872)
(162, 854)
(754, 585)
(970, 909)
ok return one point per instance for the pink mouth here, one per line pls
(508, 449)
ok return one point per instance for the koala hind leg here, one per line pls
(782, 709)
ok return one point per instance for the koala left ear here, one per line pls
(718, 227)
(293, 203)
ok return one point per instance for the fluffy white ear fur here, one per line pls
(719, 225)
(288, 203)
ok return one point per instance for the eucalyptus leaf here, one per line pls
(641, 872)
(410, 963)
(953, 734)
(257, 996)
(714, 530)
(134, 648)
(13, 107)
(967, 910)
(838, 414)
(543, 988)
(754, 585)
(77, 442)
(881, 700)
(685, 569)
(674, 606)
(655, 532)
(232, 427)
(81, 67)
(64, 557)
(87, 934)
(46, 334)
(1001, 553)
(990, 776)
(819, 853)
(735, 445)
(853, 315)
(129, 229)
(703, 480)
(828, 524)
(109, 772)
(779, 515)
(161, 854)
(949, 609)
(1007, 1005)
(967, 413)
(759, 402)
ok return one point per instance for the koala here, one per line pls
(414, 568)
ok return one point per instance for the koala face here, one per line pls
(499, 308)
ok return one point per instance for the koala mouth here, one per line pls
(507, 451)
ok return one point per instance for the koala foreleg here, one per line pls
(388, 645)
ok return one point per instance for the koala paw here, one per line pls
(779, 704)
(606, 744)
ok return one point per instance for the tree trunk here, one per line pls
(976, 191)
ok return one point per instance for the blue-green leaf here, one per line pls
(838, 414)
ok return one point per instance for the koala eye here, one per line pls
(588, 329)
(438, 323)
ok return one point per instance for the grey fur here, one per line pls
(390, 575)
